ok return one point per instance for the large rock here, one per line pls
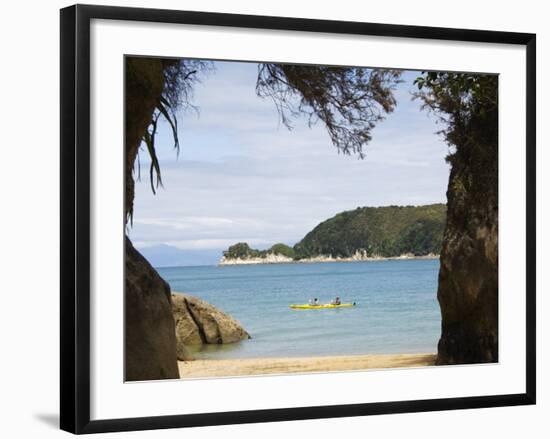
(150, 336)
(468, 276)
(198, 322)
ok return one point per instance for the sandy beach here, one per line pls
(264, 366)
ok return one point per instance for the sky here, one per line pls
(242, 176)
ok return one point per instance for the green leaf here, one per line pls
(163, 107)
(149, 140)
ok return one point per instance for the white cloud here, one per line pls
(203, 244)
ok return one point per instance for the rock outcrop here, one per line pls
(198, 322)
(150, 337)
(357, 257)
(270, 258)
(468, 276)
(150, 342)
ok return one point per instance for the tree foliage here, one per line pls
(180, 77)
(242, 250)
(467, 106)
(282, 249)
(380, 231)
(348, 100)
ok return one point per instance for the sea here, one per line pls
(396, 306)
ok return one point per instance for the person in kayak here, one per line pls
(336, 301)
(314, 302)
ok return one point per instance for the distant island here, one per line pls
(366, 233)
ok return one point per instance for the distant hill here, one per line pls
(380, 231)
(388, 231)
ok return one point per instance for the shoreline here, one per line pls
(320, 259)
(286, 365)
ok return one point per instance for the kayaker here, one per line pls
(314, 302)
(336, 301)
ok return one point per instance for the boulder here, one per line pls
(183, 353)
(150, 337)
(468, 275)
(198, 322)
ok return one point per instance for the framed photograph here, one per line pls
(268, 219)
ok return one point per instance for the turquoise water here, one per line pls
(396, 312)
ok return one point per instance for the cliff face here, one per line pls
(468, 276)
(150, 336)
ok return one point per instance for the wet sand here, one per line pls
(279, 366)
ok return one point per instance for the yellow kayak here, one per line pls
(325, 306)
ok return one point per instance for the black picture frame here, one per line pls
(75, 217)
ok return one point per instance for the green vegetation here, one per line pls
(378, 231)
(242, 250)
(282, 249)
(467, 107)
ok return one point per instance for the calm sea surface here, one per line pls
(396, 312)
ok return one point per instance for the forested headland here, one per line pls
(366, 232)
